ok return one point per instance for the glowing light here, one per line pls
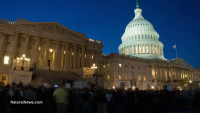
(113, 87)
(190, 81)
(23, 55)
(51, 50)
(133, 88)
(39, 48)
(152, 87)
(6, 59)
(94, 66)
(120, 65)
(64, 52)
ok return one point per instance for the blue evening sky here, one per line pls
(176, 21)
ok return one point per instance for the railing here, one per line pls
(4, 21)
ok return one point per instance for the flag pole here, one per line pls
(176, 53)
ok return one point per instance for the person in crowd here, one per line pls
(60, 95)
(86, 101)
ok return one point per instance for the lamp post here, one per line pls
(23, 58)
(96, 75)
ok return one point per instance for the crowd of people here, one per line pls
(63, 100)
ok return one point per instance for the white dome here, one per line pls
(139, 24)
(140, 39)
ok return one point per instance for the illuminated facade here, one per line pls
(141, 63)
(54, 52)
(140, 39)
(27, 46)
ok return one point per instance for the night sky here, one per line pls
(176, 21)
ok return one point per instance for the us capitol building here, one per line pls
(47, 52)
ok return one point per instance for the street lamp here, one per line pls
(23, 58)
(95, 67)
(152, 87)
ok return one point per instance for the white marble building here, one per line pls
(141, 62)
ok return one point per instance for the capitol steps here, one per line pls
(41, 77)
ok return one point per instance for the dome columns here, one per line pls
(142, 49)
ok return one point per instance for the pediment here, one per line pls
(50, 26)
(181, 62)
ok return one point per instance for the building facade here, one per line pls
(26, 46)
(52, 52)
(141, 63)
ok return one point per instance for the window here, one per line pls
(85, 55)
(140, 49)
(92, 57)
(120, 77)
(147, 49)
(139, 78)
(6, 59)
(104, 66)
(143, 49)
(144, 78)
(125, 66)
(108, 77)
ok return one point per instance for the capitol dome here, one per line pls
(140, 38)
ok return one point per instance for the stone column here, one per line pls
(25, 45)
(66, 64)
(145, 47)
(130, 50)
(78, 56)
(46, 56)
(83, 57)
(74, 58)
(70, 59)
(2, 46)
(96, 58)
(57, 57)
(14, 47)
(62, 58)
(150, 49)
(34, 60)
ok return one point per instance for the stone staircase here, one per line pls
(52, 77)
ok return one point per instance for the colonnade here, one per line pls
(47, 54)
(172, 74)
(142, 49)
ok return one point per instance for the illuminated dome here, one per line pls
(140, 39)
